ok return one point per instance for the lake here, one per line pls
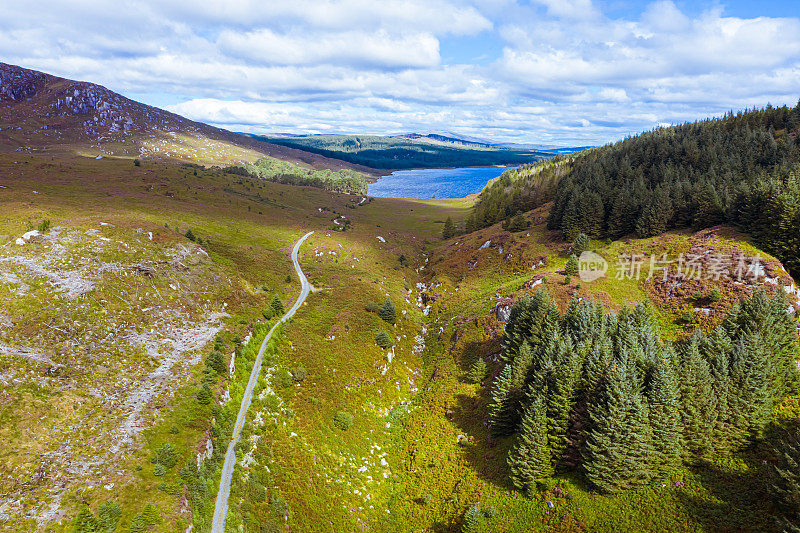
(434, 182)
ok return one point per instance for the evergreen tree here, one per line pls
(785, 483)
(665, 416)
(387, 312)
(572, 268)
(501, 409)
(580, 245)
(751, 401)
(620, 443)
(85, 522)
(477, 372)
(449, 229)
(109, 514)
(216, 361)
(277, 305)
(562, 395)
(204, 395)
(529, 459)
(383, 340)
(717, 349)
(698, 402)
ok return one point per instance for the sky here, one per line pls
(559, 72)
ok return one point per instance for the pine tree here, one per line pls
(204, 395)
(750, 402)
(449, 230)
(580, 245)
(501, 409)
(109, 514)
(529, 459)
(572, 268)
(785, 483)
(477, 372)
(665, 417)
(216, 361)
(277, 305)
(717, 349)
(387, 312)
(620, 443)
(383, 340)
(562, 395)
(698, 402)
(85, 522)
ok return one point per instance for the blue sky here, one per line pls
(563, 72)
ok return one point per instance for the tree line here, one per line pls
(603, 394)
(741, 169)
(395, 153)
(266, 168)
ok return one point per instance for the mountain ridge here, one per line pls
(43, 112)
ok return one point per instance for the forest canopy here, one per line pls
(605, 395)
(741, 169)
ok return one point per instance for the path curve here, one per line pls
(221, 509)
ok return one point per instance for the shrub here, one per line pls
(288, 278)
(190, 235)
(387, 312)
(343, 420)
(567, 280)
(403, 260)
(372, 307)
(299, 373)
(474, 521)
(137, 163)
(383, 340)
(44, 226)
(715, 296)
(277, 506)
(283, 379)
(159, 470)
(165, 455)
(216, 361)
(204, 396)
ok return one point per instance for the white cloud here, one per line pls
(378, 49)
(562, 70)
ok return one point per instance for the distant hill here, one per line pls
(409, 150)
(41, 112)
(466, 140)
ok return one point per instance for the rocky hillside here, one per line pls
(41, 112)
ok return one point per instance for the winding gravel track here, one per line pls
(221, 509)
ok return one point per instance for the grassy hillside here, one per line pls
(109, 335)
(393, 153)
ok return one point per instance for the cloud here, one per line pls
(558, 71)
(359, 49)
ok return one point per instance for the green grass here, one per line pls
(306, 472)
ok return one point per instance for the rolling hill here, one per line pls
(409, 151)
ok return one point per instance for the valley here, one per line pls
(541, 356)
